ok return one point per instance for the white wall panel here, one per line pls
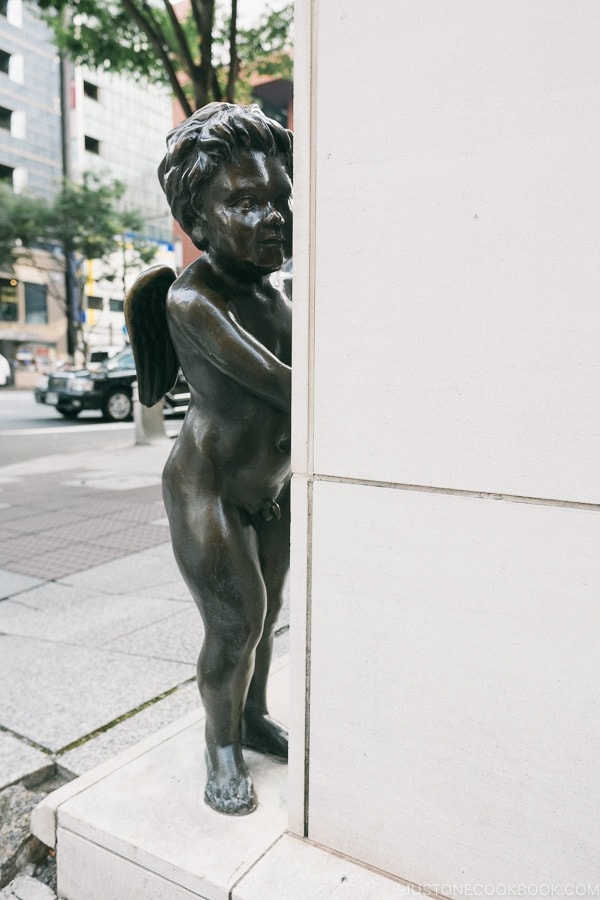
(457, 272)
(454, 726)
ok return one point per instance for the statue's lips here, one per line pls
(272, 240)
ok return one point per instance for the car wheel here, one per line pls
(68, 413)
(117, 406)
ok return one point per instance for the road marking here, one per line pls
(66, 429)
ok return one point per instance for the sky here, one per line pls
(250, 10)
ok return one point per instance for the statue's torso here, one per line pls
(232, 441)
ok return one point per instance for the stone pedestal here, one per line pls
(138, 827)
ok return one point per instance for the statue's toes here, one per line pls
(235, 797)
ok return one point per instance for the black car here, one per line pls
(108, 389)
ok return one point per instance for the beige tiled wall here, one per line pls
(447, 338)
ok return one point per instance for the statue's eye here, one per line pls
(245, 204)
(284, 202)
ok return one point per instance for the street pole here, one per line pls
(70, 306)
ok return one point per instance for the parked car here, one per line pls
(108, 389)
(98, 355)
(5, 371)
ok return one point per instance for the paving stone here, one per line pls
(100, 505)
(46, 591)
(148, 568)
(13, 529)
(72, 615)
(17, 845)
(133, 538)
(41, 522)
(19, 760)
(149, 811)
(22, 546)
(296, 870)
(55, 463)
(163, 521)
(127, 733)
(177, 638)
(172, 590)
(180, 637)
(14, 582)
(98, 526)
(62, 561)
(71, 691)
(24, 887)
(45, 871)
(117, 482)
(7, 479)
(10, 514)
(27, 492)
(123, 511)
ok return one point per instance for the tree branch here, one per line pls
(216, 87)
(198, 15)
(156, 39)
(233, 57)
(181, 37)
(205, 71)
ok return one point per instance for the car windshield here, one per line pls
(123, 360)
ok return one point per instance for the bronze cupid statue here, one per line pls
(227, 177)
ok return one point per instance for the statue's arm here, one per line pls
(211, 329)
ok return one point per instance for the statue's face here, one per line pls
(246, 213)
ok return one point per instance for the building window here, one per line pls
(16, 68)
(95, 303)
(4, 61)
(19, 179)
(36, 304)
(6, 174)
(92, 145)
(18, 124)
(9, 305)
(90, 90)
(13, 10)
(5, 117)
(115, 305)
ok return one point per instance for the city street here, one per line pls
(29, 429)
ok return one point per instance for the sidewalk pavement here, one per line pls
(98, 633)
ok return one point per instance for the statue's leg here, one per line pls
(218, 556)
(260, 731)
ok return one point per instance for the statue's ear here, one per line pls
(198, 234)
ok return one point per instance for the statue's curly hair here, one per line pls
(212, 135)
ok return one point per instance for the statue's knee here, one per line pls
(248, 635)
(238, 637)
(275, 605)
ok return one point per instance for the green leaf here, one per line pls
(106, 34)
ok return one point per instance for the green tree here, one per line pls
(21, 218)
(83, 222)
(203, 57)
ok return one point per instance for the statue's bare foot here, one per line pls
(265, 735)
(229, 788)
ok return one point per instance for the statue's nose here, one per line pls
(274, 217)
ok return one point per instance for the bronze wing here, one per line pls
(146, 319)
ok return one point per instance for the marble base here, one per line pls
(138, 827)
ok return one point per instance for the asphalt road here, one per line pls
(29, 430)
